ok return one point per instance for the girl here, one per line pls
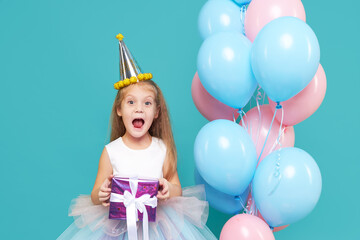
(142, 145)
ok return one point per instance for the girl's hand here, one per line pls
(164, 192)
(105, 191)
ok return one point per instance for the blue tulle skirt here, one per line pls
(176, 218)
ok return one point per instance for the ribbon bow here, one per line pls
(132, 205)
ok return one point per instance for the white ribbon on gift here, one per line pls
(132, 205)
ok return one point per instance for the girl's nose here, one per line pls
(139, 108)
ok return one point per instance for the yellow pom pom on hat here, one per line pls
(130, 72)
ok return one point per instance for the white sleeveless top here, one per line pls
(143, 163)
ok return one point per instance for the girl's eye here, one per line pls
(131, 102)
(147, 103)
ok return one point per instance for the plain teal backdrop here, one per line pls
(58, 63)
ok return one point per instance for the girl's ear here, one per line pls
(118, 111)
(157, 113)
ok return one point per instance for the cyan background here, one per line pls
(58, 63)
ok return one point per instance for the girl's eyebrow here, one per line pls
(150, 96)
(146, 97)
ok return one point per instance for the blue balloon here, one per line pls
(242, 2)
(224, 68)
(220, 201)
(285, 57)
(286, 186)
(219, 16)
(225, 156)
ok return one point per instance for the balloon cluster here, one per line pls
(247, 161)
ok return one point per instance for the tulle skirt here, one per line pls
(176, 218)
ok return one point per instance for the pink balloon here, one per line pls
(277, 229)
(207, 105)
(258, 214)
(258, 126)
(261, 12)
(305, 103)
(246, 227)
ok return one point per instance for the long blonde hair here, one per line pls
(160, 127)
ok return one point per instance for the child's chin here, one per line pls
(138, 132)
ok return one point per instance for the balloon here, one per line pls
(219, 16)
(305, 103)
(285, 57)
(286, 186)
(261, 12)
(241, 2)
(278, 229)
(220, 201)
(208, 106)
(258, 126)
(258, 214)
(224, 68)
(225, 156)
(246, 227)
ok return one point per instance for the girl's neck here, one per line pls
(137, 143)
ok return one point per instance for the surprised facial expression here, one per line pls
(138, 110)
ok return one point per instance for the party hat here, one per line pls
(130, 72)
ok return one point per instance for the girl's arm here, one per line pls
(169, 188)
(175, 186)
(101, 191)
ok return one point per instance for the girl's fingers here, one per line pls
(161, 182)
(159, 196)
(162, 197)
(105, 204)
(103, 189)
(107, 182)
(103, 199)
(165, 189)
(103, 194)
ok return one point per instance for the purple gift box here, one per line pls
(145, 186)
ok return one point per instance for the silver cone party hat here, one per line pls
(130, 72)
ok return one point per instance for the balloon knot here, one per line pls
(278, 106)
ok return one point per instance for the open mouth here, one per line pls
(138, 122)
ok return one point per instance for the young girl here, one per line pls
(142, 146)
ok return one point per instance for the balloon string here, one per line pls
(258, 98)
(264, 97)
(242, 204)
(250, 102)
(281, 132)
(277, 173)
(281, 124)
(251, 206)
(247, 126)
(277, 142)
(272, 121)
(241, 112)
(243, 9)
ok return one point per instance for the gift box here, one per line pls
(125, 190)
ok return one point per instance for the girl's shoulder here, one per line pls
(159, 142)
(114, 143)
